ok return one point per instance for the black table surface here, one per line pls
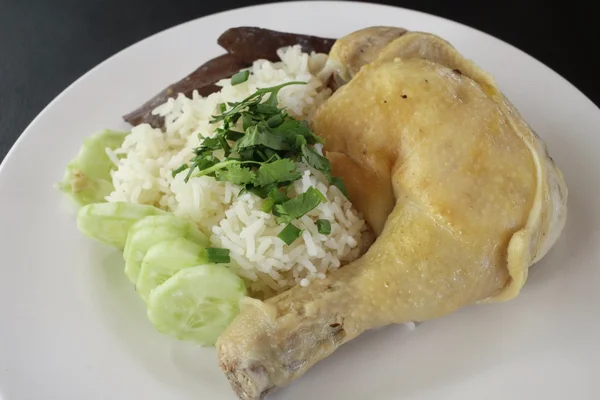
(46, 44)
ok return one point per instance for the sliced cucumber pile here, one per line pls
(187, 297)
(152, 230)
(164, 259)
(165, 256)
(87, 178)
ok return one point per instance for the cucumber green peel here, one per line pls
(87, 178)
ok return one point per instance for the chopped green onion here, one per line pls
(324, 226)
(217, 255)
(179, 169)
(240, 77)
(267, 206)
(222, 107)
(289, 234)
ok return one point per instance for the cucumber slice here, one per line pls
(197, 304)
(152, 230)
(110, 222)
(87, 178)
(164, 259)
(191, 228)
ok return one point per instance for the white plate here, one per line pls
(73, 328)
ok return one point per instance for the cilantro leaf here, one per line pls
(322, 164)
(316, 160)
(275, 197)
(300, 141)
(278, 196)
(234, 135)
(278, 171)
(247, 120)
(246, 154)
(269, 154)
(291, 126)
(252, 100)
(255, 136)
(209, 143)
(222, 165)
(299, 205)
(235, 174)
(295, 127)
(260, 191)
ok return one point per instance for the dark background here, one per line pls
(46, 44)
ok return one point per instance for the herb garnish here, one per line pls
(217, 255)
(298, 206)
(240, 77)
(261, 143)
(323, 226)
(289, 233)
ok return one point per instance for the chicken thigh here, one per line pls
(461, 193)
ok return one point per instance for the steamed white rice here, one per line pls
(148, 156)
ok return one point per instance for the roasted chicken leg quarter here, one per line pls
(460, 191)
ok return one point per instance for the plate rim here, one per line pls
(14, 149)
